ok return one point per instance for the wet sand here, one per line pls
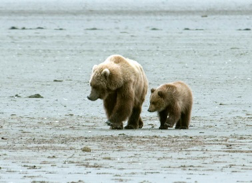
(49, 48)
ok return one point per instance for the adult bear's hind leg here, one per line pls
(140, 123)
(134, 119)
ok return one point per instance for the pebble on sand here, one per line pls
(86, 149)
(35, 96)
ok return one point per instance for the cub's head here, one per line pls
(157, 102)
(162, 97)
(103, 80)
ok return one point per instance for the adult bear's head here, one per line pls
(105, 78)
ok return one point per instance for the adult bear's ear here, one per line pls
(161, 94)
(94, 67)
(152, 90)
(105, 73)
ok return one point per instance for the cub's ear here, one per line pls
(161, 94)
(94, 67)
(152, 90)
(106, 73)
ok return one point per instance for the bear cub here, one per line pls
(173, 103)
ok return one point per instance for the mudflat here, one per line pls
(50, 132)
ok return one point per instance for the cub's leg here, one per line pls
(179, 124)
(163, 118)
(185, 120)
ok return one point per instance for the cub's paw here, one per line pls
(168, 125)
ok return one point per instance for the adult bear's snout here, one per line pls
(91, 98)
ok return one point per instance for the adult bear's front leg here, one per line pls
(115, 126)
(109, 104)
(122, 109)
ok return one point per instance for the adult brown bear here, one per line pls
(122, 85)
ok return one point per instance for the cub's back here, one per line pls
(185, 94)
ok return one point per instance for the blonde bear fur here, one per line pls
(122, 85)
(173, 102)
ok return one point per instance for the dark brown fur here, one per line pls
(173, 102)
